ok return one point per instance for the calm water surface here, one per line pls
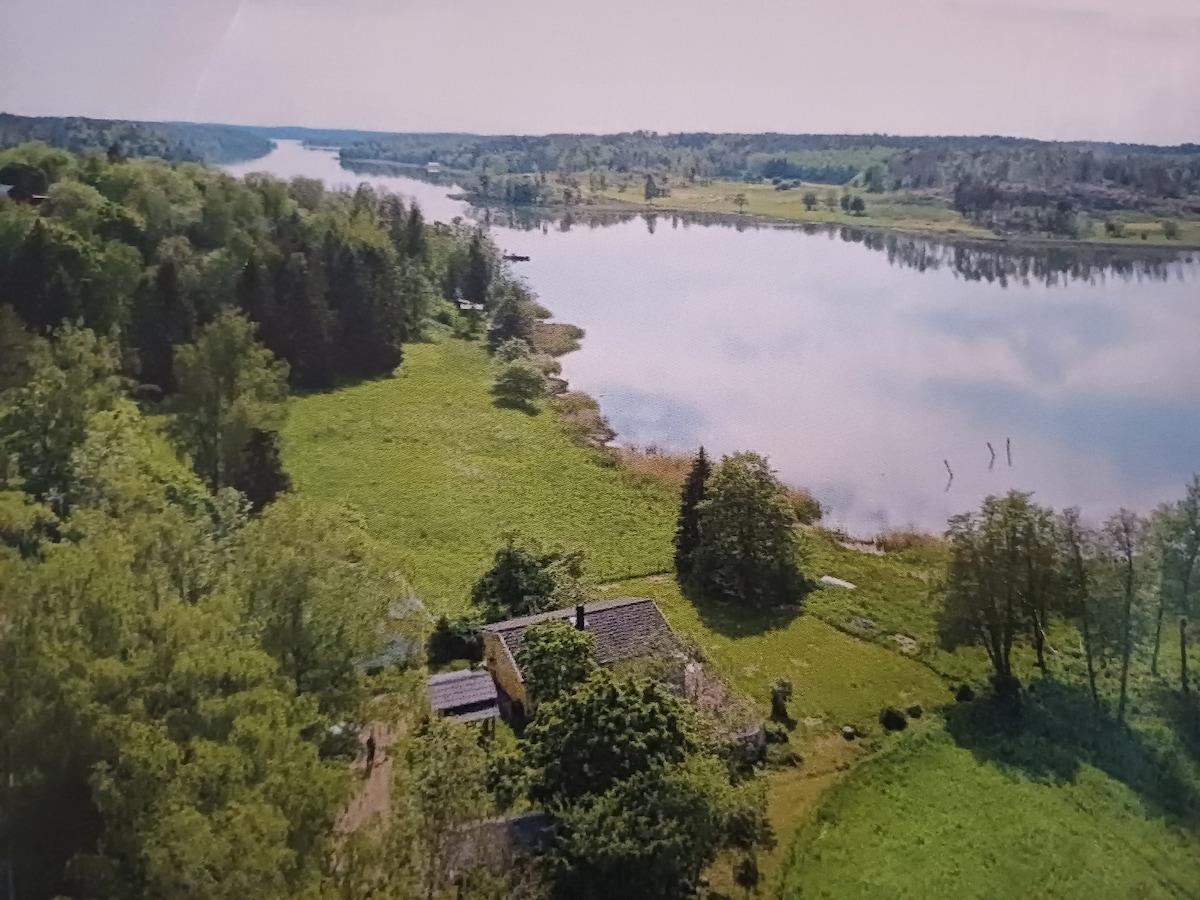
(862, 364)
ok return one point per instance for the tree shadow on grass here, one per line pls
(1058, 730)
(1183, 712)
(733, 620)
(521, 405)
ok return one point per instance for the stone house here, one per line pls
(625, 628)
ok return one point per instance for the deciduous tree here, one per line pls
(229, 384)
(748, 550)
(604, 732)
(555, 658)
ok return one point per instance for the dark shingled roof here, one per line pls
(624, 628)
(467, 696)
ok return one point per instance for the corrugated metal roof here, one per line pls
(624, 627)
(451, 691)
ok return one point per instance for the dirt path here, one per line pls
(374, 794)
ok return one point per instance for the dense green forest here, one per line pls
(176, 141)
(183, 640)
(151, 252)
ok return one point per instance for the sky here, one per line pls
(1055, 69)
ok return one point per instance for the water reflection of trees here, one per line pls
(1022, 264)
(973, 260)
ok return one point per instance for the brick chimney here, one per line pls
(579, 619)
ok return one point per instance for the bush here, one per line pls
(915, 712)
(781, 695)
(513, 349)
(453, 639)
(1114, 228)
(806, 507)
(519, 384)
(892, 719)
(898, 540)
(1170, 229)
(776, 733)
(964, 694)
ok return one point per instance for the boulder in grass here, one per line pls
(849, 732)
(914, 712)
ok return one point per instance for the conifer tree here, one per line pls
(687, 532)
(262, 477)
(478, 277)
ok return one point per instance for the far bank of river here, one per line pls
(864, 362)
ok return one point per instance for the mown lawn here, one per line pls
(439, 474)
(928, 819)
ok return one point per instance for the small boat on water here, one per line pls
(513, 257)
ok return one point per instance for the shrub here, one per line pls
(898, 540)
(781, 695)
(776, 733)
(1114, 228)
(519, 384)
(513, 349)
(452, 639)
(806, 507)
(892, 719)
(1170, 229)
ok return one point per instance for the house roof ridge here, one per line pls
(457, 675)
(592, 607)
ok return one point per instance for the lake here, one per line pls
(864, 364)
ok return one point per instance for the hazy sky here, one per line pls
(1088, 69)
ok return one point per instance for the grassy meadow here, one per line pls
(929, 819)
(919, 212)
(908, 210)
(439, 474)
(1072, 807)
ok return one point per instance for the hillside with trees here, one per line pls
(335, 282)
(175, 141)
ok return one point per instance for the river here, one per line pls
(866, 365)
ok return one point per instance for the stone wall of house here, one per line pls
(500, 663)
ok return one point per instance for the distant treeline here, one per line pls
(150, 252)
(175, 141)
(1000, 171)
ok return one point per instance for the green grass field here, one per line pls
(928, 820)
(837, 678)
(439, 473)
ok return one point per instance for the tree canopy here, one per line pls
(747, 552)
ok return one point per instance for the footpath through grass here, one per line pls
(439, 474)
(929, 820)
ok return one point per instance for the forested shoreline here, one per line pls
(189, 641)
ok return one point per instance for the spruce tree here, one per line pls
(262, 477)
(687, 533)
(478, 277)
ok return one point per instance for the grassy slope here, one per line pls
(837, 678)
(927, 820)
(439, 473)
